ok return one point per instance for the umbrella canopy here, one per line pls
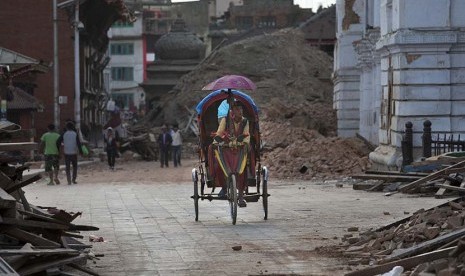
(231, 82)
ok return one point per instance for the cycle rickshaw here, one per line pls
(231, 164)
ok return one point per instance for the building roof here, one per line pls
(22, 100)
(19, 63)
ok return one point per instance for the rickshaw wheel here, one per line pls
(265, 192)
(232, 197)
(195, 178)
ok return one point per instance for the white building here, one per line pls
(126, 67)
(398, 61)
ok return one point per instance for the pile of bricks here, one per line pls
(432, 238)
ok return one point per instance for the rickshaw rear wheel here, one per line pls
(265, 191)
(195, 178)
(232, 197)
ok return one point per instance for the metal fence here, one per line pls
(432, 145)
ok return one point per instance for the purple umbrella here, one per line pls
(231, 82)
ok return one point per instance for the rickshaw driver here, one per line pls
(241, 132)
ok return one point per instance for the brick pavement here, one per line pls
(149, 227)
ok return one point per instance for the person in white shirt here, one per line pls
(71, 149)
(176, 146)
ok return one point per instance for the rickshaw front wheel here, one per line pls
(232, 197)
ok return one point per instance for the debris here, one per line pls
(237, 247)
(291, 98)
(93, 238)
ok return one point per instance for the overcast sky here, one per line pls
(302, 3)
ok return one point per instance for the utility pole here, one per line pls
(56, 107)
(77, 79)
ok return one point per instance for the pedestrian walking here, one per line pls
(111, 147)
(71, 148)
(48, 145)
(164, 143)
(176, 146)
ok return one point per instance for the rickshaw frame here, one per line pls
(207, 124)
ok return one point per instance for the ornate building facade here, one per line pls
(395, 63)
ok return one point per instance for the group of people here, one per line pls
(52, 143)
(170, 140)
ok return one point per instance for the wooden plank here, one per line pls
(38, 267)
(24, 200)
(376, 187)
(6, 200)
(6, 269)
(449, 187)
(14, 186)
(407, 263)
(5, 180)
(432, 176)
(34, 224)
(19, 146)
(58, 251)
(41, 217)
(441, 191)
(396, 173)
(393, 178)
(420, 248)
(31, 238)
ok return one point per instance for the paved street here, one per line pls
(149, 226)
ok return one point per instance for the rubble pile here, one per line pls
(142, 141)
(294, 90)
(36, 239)
(425, 232)
(305, 153)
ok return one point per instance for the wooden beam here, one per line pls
(18, 146)
(31, 238)
(405, 263)
(34, 224)
(420, 248)
(42, 217)
(6, 200)
(432, 176)
(420, 174)
(393, 178)
(14, 186)
(38, 267)
(58, 251)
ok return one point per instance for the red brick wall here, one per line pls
(26, 27)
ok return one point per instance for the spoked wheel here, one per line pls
(232, 197)
(195, 178)
(265, 191)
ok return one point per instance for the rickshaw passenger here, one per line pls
(239, 129)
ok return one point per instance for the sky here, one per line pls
(302, 3)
